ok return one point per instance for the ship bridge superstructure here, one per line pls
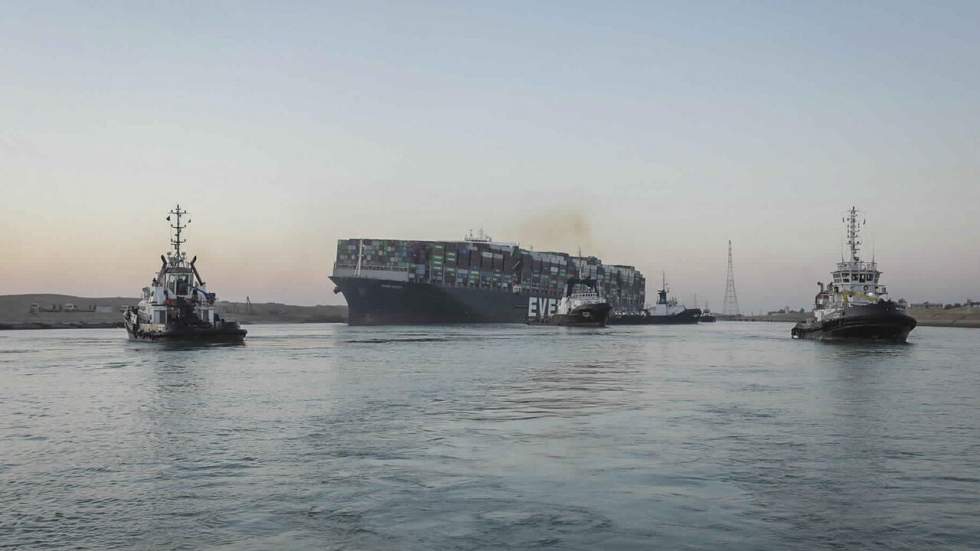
(665, 305)
(855, 279)
(177, 290)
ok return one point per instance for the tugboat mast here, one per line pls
(177, 227)
(853, 234)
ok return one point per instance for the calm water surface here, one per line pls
(332, 437)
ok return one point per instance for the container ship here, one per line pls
(474, 280)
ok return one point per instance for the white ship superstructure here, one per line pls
(581, 295)
(855, 282)
(580, 305)
(665, 306)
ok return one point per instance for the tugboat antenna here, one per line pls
(842, 243)
(177, 227)
(853, 233)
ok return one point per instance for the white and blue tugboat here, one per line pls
(855, 305)
(706, 315)
(177, 305)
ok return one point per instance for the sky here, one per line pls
(645, 133)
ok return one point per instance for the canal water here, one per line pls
(725, 435)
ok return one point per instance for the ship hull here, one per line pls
(687, 317)
(881, 322)
(593, 315)
(384, 302)
(226, 332)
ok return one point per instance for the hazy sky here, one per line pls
(646, 133)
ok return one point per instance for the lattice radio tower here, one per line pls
(731, 299)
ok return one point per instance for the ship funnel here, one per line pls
(820, 283)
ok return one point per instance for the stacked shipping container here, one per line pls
(624, 288)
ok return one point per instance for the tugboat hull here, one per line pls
(592, 315)
(881, 322)
(688, 316)
(226, 332)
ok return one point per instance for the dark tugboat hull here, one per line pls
(880, 322)
(229, 332)
(593, 315)
(689, 316)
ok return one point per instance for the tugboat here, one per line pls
(706, 315)
(856, 304)
(665, 311)
(580, 307)
(177, 305)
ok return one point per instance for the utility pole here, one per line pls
(731, 299)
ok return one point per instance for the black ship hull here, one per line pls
(688, 316)
(593, 315)
(385, 302)
(881, 321)
(227, 332)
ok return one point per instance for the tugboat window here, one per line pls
(182, 285)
